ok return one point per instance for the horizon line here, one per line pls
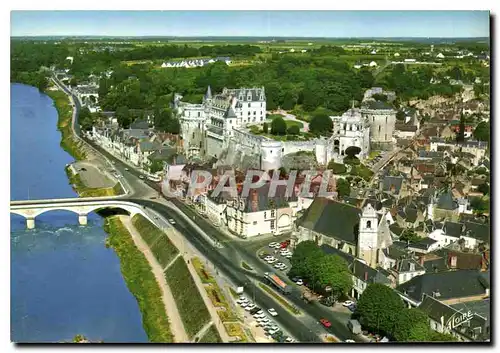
(229, 36)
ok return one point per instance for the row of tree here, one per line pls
(380, 309)
(319, 270)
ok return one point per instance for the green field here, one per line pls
(211, 336)
(192, 309)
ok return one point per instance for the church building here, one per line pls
(362, 233)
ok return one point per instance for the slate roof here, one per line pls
(140, 124)
(423, 244)
(446, 202)
(367, 274)
(396, 229)
(395, 252)
(449, 284)
(330, 250)
(333, 219)
(164, 154)
(453, 229)
(477, 329)
(245, 92)
(479, 231)
(265, 202)
(405, 265)
(392, 181)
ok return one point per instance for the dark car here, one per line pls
(352, 307)
(254, 310)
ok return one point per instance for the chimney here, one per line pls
(453, 261)
(366, 276)
(255, 200)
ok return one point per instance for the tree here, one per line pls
(379, 97)
(343, 188)
(321, 124)
(482, 131)
(461, 130)
(409, 235)
(484, 188)
(332, 271)
(73, 82)
(303, 258)
(351, 160)
(352, 151)
(479, 205)
(441, 337)
(156, 166)
(336, 168)
(293, 130)
(378, 308)
(265, 127)
(411, 325)
(400, 115)
(278, 126)
(123, 117)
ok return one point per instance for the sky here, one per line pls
(252, 23)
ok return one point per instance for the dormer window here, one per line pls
(249, 104)
(249, 97)
(368, 224)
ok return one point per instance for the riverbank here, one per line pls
(74, 147)
(65, 116)
(84, 191)
(140, 281)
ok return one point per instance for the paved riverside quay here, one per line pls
(227, 259)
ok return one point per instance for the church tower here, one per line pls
(368, 236)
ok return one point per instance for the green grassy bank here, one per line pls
(140, 281)
(84, 191)
(65, 113)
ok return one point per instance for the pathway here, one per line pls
(173, 315)
(202, 332)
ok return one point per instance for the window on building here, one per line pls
(199, 114)
(272, 224)
(386, 120)
(379, 128)
(193, 134)
(368, 224)
(254, 223)
(248, 113)
(261, 105)
(265, 214)
(386, 136)
(272, 213)
(350, 127)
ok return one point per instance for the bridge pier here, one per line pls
(30, 223)
(82, 219)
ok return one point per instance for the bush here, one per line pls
(149, 232)
(163, 250)
(337, 168)
(211, 336)
(192, 309)
(293, 130)
(278, 126)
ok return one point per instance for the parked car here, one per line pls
(348, 303)
(245, 304)
(171, 221)
(241, 300)
(141, 176)
(289, 339)
(126, 169)
(272, 312)
(250, 307)
(255, 310)
(350, 341)
(273, 244)
(325, 323)
(300, 282)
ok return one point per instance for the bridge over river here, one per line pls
(30, 209)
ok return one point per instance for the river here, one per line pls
(64, 281)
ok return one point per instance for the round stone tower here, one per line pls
(271, 153)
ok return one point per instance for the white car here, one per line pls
(283, 268)
(244, 304)
(171, 221)
(258, 316)
(300, 282)
(289, 256)
(289, 340)
(273, 331)
(350, 341)
(268, 257)
(348, 303)
(271, 261)
(273, 244)
(126, 169)
(241, 300)
(250, 307)
(272, 312)
(141, 176)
